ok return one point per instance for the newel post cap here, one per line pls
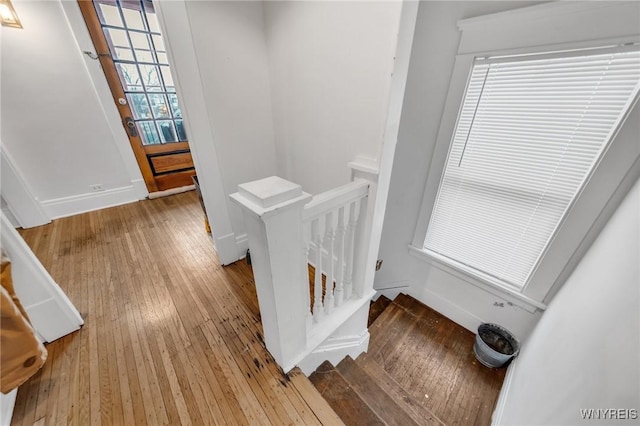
(266, 196)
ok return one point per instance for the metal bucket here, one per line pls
(495, 345)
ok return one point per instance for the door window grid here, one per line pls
(137, 49)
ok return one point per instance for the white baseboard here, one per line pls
(140, 188)
(172, 191)
(12, 219)
(77, 204)
(335, 350)
(450, 310)
(21, 202)
(391, 290)
(242, 244)
(231, 248)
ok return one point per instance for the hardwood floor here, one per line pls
(170, 336)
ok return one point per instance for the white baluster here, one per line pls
(317, 285)
(339, 240)
(349, 249)
(306, 245)
(329, 236)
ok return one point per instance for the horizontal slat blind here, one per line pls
(528, 134)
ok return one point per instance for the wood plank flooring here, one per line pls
(431, 357)
(420, 370)
(170, 336)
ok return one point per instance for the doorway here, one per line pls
(129, 44)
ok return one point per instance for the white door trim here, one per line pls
(21, 201)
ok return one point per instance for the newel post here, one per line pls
(366, 253)
(272, 209)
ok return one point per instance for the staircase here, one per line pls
(419, 370)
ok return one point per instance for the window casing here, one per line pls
(528, 135)
(549, 27)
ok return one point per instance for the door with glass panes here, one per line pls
(129, 45)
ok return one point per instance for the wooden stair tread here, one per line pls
(413, 306)
(387, 399)
(419, 369)
(412, 407)
(323, 411)
(377, 308)
(393, 325)
(344, 400)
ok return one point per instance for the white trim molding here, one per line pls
(52, 313)
(172, 191)
(77, 204)
(335, 350)
(549, 24)
(22, 203)
(550, 27)
(472, 278)
(7, 403)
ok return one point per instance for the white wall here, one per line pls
(297, 89)
(219, 57)
(435, 46)
(53, 124)
(585, 351)
(331, 66)
(232, 55)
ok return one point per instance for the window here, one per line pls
(529, 133)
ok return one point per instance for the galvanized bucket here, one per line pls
(495, 345)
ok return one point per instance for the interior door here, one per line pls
(129, 44)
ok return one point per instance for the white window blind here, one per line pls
(529, 132)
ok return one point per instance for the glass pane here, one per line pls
(139, 105)
(118, 43)
(158, 43)
(168, 79)
(148, 132)
(124, 54)
(167, 132)
(162, 58)
(159, 106)
(182, 134)
(175, 108)
(133, 19)
(141, 60)
(154, 27)
(129, 77)
(109, 14)
(150, 77)
(141, 46)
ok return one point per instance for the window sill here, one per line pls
(510, 295)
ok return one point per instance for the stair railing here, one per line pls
(290, 233)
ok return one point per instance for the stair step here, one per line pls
(385, 396)
(409, 404)
(393, 325)
(344, 400)
(419, 369)
(377, 308)
(411, 305)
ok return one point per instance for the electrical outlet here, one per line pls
(96, 187)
